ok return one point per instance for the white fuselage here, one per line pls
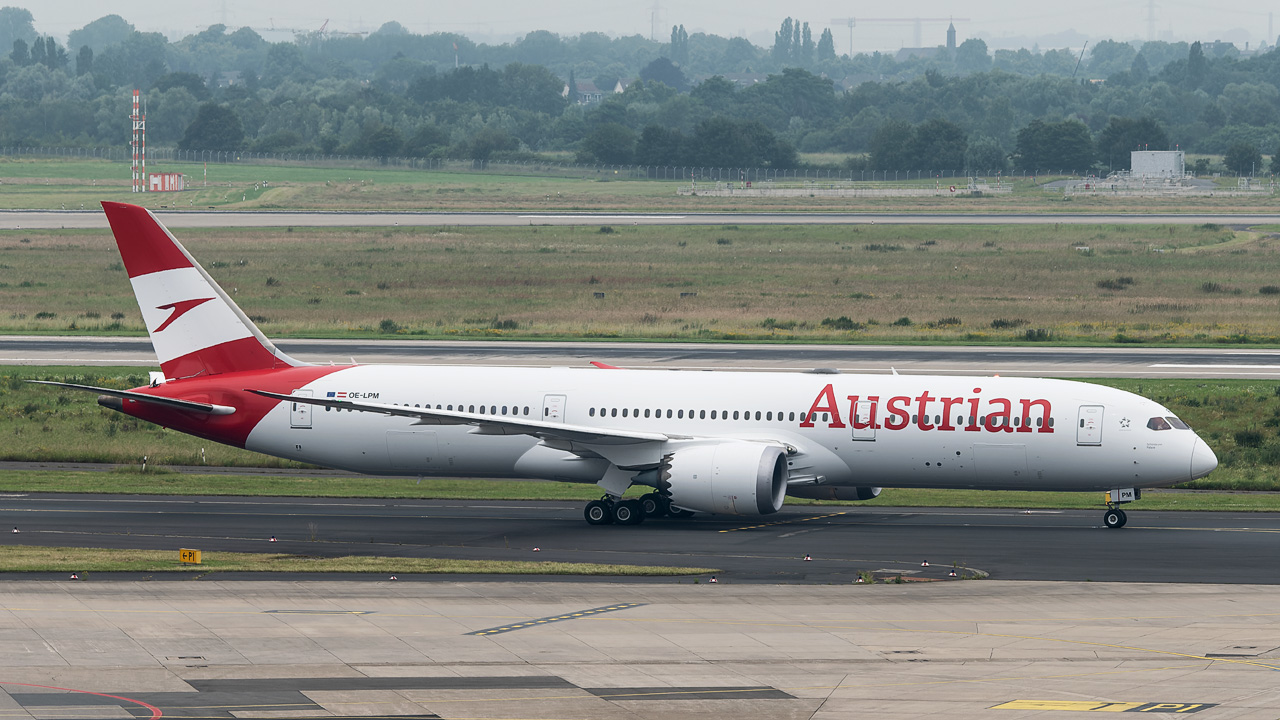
(866, 430)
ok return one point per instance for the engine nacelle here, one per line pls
(732, 477)
(834, 492)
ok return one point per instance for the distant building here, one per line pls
(165, 182)
(951, 36)
(588, 93)
(1158, 163)
(925, 53)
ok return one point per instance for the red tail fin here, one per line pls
(195, 327)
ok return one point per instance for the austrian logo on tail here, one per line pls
(180, 308)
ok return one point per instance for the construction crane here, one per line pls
(917, 22)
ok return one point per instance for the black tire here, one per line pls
(678, 512)
(598, 512)
(1113, 518)
(654, 505)
(628, 512)
(1124, 519)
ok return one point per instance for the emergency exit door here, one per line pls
(1089, 427)
(300, 413)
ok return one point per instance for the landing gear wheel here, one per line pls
(628, 512)
(678, 512)
(598, 512)
(654, 505)
(1114, 518)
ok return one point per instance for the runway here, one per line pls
(195, 218)
(1005, 544)
(944, 360)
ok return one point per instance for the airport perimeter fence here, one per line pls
(542, 168)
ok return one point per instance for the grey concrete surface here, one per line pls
(920, 650)
(941, 360)
(196, 218)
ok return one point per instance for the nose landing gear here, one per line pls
(1114, 517)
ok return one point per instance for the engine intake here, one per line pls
(732, 477)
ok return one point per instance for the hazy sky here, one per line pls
(1002, 23)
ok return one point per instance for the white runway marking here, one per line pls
(1216, 367)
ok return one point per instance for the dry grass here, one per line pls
(26, 558)
(1092, 284)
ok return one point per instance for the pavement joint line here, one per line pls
(553, 618)
(784, 522)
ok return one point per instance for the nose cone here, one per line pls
(1203, 461)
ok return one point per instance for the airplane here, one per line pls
(727, 443)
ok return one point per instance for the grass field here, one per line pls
(80, 560)
(973, 284)
(1240, 419)
(27, 183)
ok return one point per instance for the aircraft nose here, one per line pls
(1203, 461)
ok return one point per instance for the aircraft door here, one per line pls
(1089, 429)
(553, 408)
(300, 413)
(864, 427)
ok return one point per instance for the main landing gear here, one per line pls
(610, 511)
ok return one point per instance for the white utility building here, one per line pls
(1158, 163)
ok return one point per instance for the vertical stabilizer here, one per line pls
(195, 327)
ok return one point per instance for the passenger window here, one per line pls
(613, 412)
(471, 408)
(680, 414)
(824, 418)
(913, 419)
(624, 412)
(635, 412)
(791, 417)
(1159, 423)
(646, 412)
(504, 409)
(592, 412)
(757, 414)
(668, 413)
(735, 414)
(702, 414)
(768, 415)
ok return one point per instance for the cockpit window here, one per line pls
(1178, 424)
(1159, 423)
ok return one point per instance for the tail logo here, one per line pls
(179, 309)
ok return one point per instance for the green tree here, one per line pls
(1058, 146)
(805, 55)
(608, 144)
(891, 146)
(826, 46)
(972, 57)
(679, 49)
(783, 42)
(1123, 135)
(215, 127)
(985, 155)
(102, 33)
(1197, 66)
(16, 24)
(938, 145)
(1243, 158)
(1110, 57)
(84, 60)
(664, 71)
(426, 140)
(21, 55)
(660, 146)
(193, 83)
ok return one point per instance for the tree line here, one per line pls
(692, 99)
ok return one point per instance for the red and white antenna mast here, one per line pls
(139, 145)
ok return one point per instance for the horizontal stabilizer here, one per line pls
(187, 405)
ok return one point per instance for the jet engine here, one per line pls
(732, 477)
(834, 492)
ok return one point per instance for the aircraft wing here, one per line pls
(486, 424)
